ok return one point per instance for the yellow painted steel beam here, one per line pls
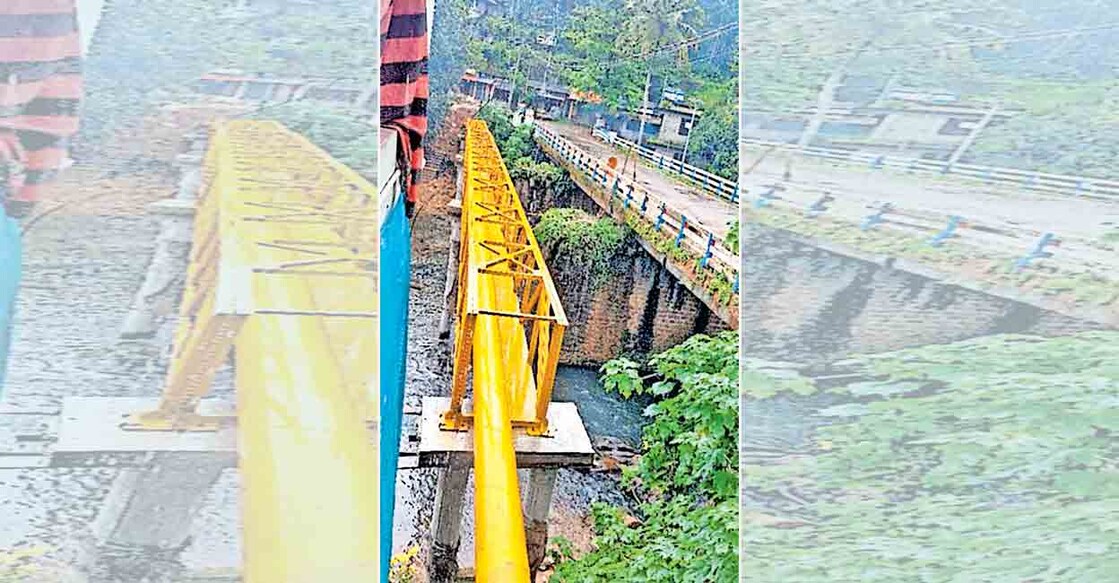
(498, 249)
(306, 360)
(510, 328)
(285, 250)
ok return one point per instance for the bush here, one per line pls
(687, 476)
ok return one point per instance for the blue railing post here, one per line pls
(644, 202)
(954, 221)
(1038, 252)
(707, 251)
(683, 225)
(614, 190)
(817, 208)
(734, 195)
(736, 276)
(765, 198)
(660, 218)
(876, 218)
(629, 196)
(878, 162)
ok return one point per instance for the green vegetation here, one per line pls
(731, 242)
(990, 459)
(580, 238)
(606, 50)
(518, 149)
(974, 50)
(337, 129)
(687, 476)
(30, 565)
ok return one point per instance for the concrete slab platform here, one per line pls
(567, 446)
(90, 433)
(175, 207)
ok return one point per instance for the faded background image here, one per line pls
(102, 274)
(929, 290)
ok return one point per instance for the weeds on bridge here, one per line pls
(578, 237)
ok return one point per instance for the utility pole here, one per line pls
(641, 114)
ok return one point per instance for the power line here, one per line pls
(688, 42)
(918, 47)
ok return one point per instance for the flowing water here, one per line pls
(603, 413)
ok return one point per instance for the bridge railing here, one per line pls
(938, 228)
(711, 183)
(677, 234)
(1029, 180)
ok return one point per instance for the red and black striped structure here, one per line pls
(40, 89)
(404, 83)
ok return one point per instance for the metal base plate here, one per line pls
(567, 445)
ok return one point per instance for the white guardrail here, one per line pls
(1037, 181)
(701, 243)
(713, 183)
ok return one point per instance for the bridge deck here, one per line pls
(711, 213)
(1016, 215)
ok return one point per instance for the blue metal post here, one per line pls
(765, 198)
(954, 221)
(706, 252)
(683, 225)
(877, 218)
(660, 218)
(10, 261)
(644, 202)
(1038, 252)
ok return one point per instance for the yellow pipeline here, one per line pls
(304, 373)
(501, 381)
(308, 469)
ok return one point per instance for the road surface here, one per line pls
(1080, 222)
(703, 209)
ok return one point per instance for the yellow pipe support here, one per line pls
(504, 287)
(297, 242)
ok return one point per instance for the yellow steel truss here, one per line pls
(503, 282)
(509, 332)
(283, 269)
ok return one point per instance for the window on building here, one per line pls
(685, 127)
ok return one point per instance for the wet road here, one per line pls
(714, 214)
(1081, 222)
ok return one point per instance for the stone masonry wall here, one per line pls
(804, 303)
(640, 308)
